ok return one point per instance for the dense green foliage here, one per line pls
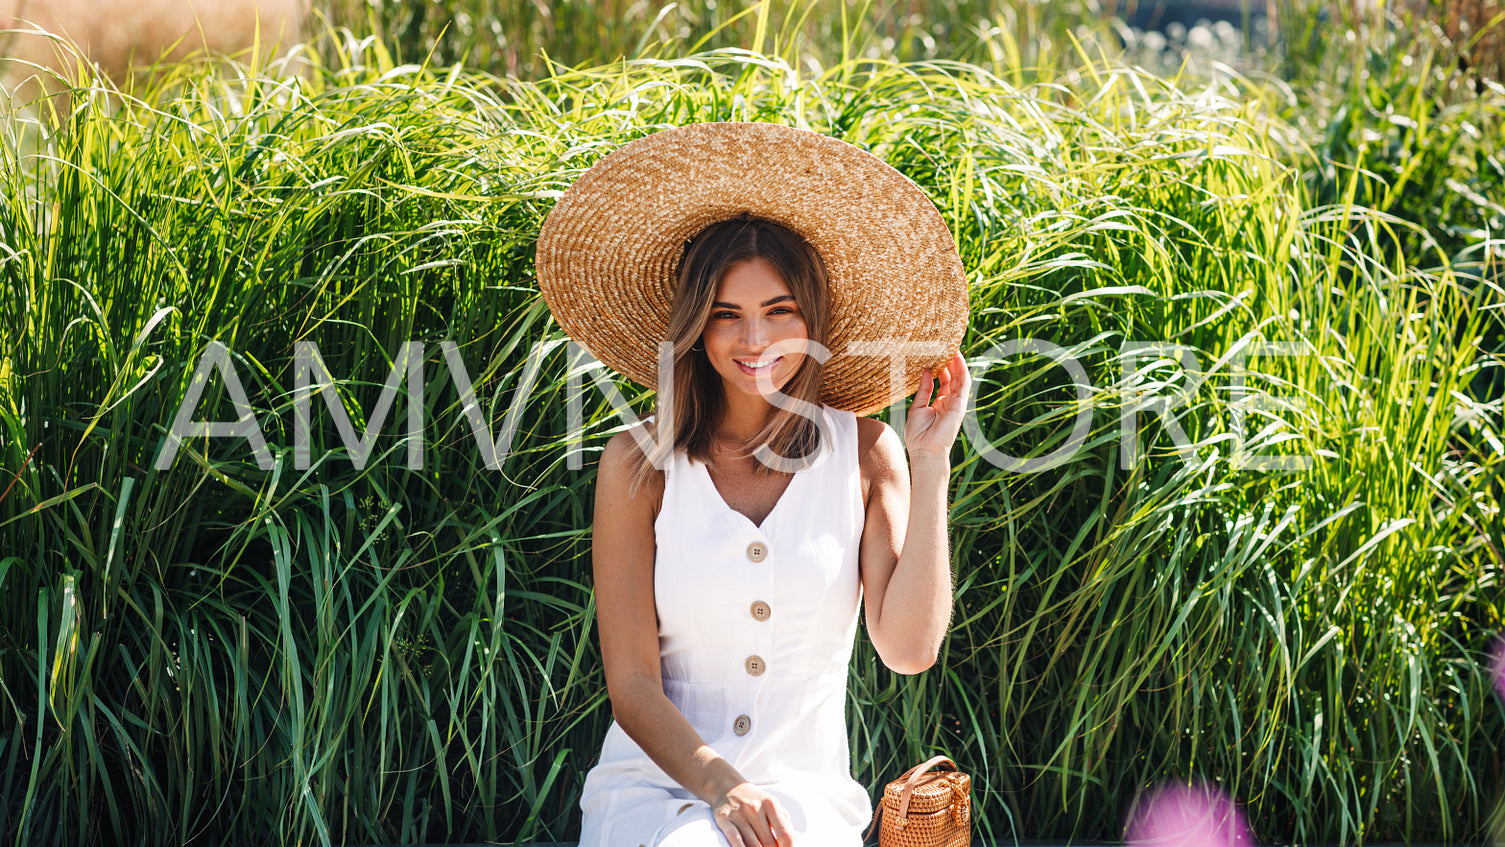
(225, 653)
(524, 39)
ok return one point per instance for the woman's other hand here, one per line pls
(939, 405)
(750, 817)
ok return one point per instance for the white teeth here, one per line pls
(756, 365)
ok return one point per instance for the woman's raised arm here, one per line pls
(622, 548)
(906, 561)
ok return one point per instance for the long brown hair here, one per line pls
(699, 401)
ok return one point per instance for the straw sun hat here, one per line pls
(609, 252)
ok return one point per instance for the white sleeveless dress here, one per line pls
(755, 636)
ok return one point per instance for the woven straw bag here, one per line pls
(926, 809)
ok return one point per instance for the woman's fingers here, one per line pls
(943, 392)
(957, 368)
(922, 398)
(764, 823)
(955, 381)
(756, 833)
(935, 418)
(938, 388)
(782, 830)
(748, 816)
(729, 831)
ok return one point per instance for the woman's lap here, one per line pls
(815, 824)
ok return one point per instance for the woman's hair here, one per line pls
(698, 392)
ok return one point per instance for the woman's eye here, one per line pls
(723, 315)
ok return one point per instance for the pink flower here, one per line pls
(1497, 666)
(1196, 815)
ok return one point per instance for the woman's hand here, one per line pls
(750, 817)
(936, 416)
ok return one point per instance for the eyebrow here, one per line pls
(721, 304)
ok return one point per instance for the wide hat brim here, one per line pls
(609, 251)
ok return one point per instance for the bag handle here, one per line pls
(910, 777)
(914, 775)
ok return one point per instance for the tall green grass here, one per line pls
(526, 40)
(219, 653)
(1393, 124)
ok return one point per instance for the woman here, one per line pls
(731, 553)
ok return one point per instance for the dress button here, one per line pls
(755, 665)
(757, 551)
(761, 611)
(742, 724)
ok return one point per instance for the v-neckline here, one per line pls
(705, 473)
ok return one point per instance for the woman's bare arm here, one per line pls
(622, 547)
(906, 562)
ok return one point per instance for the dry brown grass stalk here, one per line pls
(120, 41)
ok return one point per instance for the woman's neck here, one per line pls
(742, 417)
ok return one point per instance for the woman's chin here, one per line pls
(749, 387)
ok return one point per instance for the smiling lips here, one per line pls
(756, 365)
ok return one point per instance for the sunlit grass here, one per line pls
(527, 40)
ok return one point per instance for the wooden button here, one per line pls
(757, 551)
(755, 665)
(761, 611)
(742, 724)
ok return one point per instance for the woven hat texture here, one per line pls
(609, 252)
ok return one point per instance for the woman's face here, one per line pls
(753, 310)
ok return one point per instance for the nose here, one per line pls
(755, 332)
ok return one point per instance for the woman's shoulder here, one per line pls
(879, 453)
(623, 462)
(873, 434)
(869, 430)
(622, 449)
